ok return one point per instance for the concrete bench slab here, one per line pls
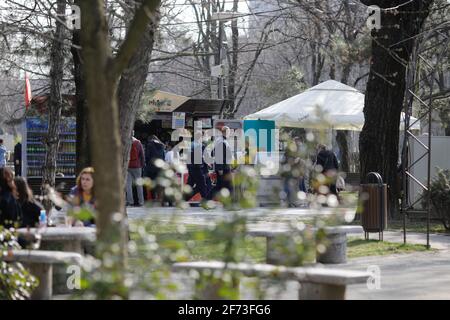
(70, 238)
(40, 263)
(315, 282)
(67, 239)
(336, 237)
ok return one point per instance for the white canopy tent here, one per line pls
(329, 105)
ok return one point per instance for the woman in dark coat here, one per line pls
(30, 208)
(10, 211)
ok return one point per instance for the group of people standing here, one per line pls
(198, 168)
(142, 164)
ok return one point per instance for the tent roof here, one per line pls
(330, 104)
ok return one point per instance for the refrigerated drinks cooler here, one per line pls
(34, 131)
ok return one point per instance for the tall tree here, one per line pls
(55, 101)
(392, 46)
(131, 87)
(102, 71)
(83, 154)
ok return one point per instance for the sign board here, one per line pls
(178, 120)
(206, 123)
(165, 102)
(217, 71)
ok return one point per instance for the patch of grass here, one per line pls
(411, 226)
(417, 226)
(195, 238)
(252, 250)
(362, 248)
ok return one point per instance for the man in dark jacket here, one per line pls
(222, 161)
(18, 159)
(196, 167)
(154, 150)
(330, 166)
(135, 166)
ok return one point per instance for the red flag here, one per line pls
(27, 92)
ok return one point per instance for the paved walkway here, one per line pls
(419, 275)
(197, 215)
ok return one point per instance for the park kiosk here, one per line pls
(168, 111)
(34, 129)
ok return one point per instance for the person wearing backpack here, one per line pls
(135, 167)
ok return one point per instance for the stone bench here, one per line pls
(336, 237)
(315, 283)
(67, 239)
(40, 264)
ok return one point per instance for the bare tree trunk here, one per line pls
(83, 154)
(391, 49)
(346, 73)
(101, 86)
(102, 71)
(54, 105)
(131, 88)
(342, 135)
(232, 73)
(341, 139)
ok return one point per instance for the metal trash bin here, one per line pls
(374, 204)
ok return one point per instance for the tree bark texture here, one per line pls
(55, 104)
(233, 62)
(103, 124)
(341, 139)
(102, 72)
(131, 88)
(391, 49)
(83, 157)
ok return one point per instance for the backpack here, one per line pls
(134, 152)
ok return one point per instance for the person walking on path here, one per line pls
(154, 150)
(196, 167)
(3, 154)
(222, 161)
(330, 166)
(135, 167)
